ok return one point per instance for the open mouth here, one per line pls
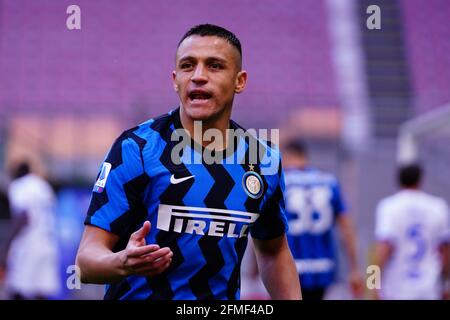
(199, 96)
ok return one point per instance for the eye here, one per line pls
(215, 65)
(186, 65)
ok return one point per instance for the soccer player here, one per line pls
(412, 234)
(161, 226)
(314, 205)
(32, 270)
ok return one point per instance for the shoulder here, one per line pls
(147, 133)
(260, 149)
(317, 176)
(389, 202)
(271, 149)
(260, 137)
(270, 161)
(432, 198)
(437, 202)
(155, 127)
(327, 178)
(30, 184)
(29, 181)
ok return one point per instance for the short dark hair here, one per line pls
(297, 147)
(410, 175)
(204, 30)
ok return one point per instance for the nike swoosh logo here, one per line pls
(173, 180)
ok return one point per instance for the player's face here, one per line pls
(206, 77)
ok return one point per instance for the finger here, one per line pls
(140, 265)
(164, 267)
(142, 232)
(157, 254)
(161, 262)
(157, 271)
(142, 251)
(140, 261)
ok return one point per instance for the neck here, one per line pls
(295, 163)
(197, 128)
(414, 187)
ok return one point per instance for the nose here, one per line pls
(199, 76)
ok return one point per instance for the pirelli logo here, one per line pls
(205, 221)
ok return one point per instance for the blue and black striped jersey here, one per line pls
(313, 201)
(203, 212)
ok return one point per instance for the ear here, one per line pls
(174, 82)
(241, 81)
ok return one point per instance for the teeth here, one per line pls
(199, 96)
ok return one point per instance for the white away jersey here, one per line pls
(415, 223)
(33, 256)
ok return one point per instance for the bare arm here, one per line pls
(277, 268)
(444, 250)
(383, 251)
(349, 240)
(99, 264)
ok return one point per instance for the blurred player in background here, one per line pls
(412, 233)
(314, 205)
(162, 230)
(32, 263)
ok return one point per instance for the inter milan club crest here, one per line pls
(252, 183)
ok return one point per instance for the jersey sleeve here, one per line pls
(116, 203)
(384, 227)
(272, 222)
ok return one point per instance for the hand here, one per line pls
(356, 284)
(138, 258)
